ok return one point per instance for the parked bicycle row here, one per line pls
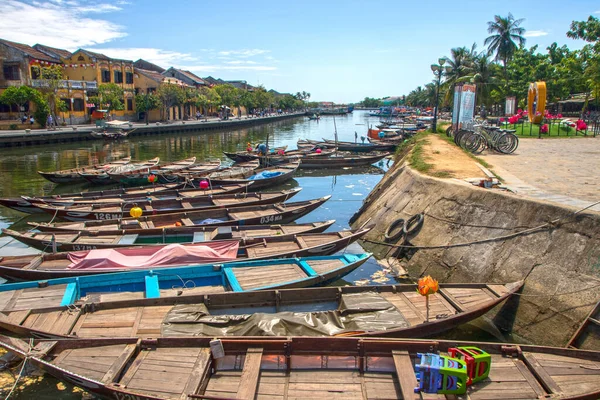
(476, 138)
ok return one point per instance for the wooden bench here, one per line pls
(250, 374)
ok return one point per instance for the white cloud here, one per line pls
(535, 33)
(238, 62)
(243, 53)
(164, 58)
(58, 23)
(217, 68)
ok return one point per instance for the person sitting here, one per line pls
(262, 149)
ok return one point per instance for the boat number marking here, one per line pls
(77, 247)
(270, 218)
(104, 216)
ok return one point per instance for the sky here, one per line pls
(338, 51)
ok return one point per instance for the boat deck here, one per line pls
(257, 373)
(407, 306)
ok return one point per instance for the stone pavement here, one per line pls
(562, 171)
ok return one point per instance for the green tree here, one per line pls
(51, 78)
(506, 36)
(110, 95)
(589, 31)
(263, 99)
(17, 96)
(145, 103)
(170, 95)
(461, 63)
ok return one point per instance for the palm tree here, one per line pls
(506, 34)
(483, 74)
(461, 60)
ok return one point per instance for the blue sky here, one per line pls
(336, 50)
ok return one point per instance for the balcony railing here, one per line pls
(64, 84)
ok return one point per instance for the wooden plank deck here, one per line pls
(255, 277)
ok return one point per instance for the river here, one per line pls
(348, 187)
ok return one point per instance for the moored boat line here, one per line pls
(300, 367)
(200, 202)
(267, 214)
(89, 240)
(366, 311)
(214, 277)
(73, 175)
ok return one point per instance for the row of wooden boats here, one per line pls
(199, 202)
(312, 158)
(203, 297)
(127, 173)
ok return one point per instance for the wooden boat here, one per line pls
(201, 202)
(237, 276)
(101, 177)
(385, 311)
(140, 176)
(119, 196)
(206, 170)
(269, 214)
(340, 160)
(245, 156)
(73, 175)
(87, 240)
(264, 177)
(361, 147)
(299, 367)
(112, 130)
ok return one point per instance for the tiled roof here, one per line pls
(29, 51)
(101, 56)
(147, 65)
(192, 76)
(52, 50)
(155, 76)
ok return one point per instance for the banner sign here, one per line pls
(511, 106)
(464, 105)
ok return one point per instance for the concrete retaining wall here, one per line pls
(560, 266)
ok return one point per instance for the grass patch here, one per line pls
(527, 129)
(417, 158)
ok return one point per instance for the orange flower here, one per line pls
(427, 285)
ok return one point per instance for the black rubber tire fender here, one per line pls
(413, 224)
(389, 236)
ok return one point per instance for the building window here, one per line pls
(12, 73)
(118, 77)
(151, 90)
(67, 103)
(78, 105)
(105, 75)
(35, 72)
(129, 77)
(129, 104)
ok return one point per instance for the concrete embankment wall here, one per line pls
(67, 134)
(560, 266)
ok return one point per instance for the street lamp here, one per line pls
(438, 70)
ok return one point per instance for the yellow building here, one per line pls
(88, 70)
(147, 82)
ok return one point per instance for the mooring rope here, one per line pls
(550, 224)
(21, 371)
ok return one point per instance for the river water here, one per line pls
(348, 187)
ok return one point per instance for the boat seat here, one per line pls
(301, 243)
(128, 239)
(199, 237)
(187, 222)
(187, 205)
(148, 207)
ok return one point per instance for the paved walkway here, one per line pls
(564, 171)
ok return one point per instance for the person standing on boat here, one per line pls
(262, 149)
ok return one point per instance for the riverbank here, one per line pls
(82, 132)
(559, 262)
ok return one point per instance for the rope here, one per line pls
(504, 237)
(21, 371)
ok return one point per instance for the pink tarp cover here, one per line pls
(154, 256)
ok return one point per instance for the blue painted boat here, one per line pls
(180, 281)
